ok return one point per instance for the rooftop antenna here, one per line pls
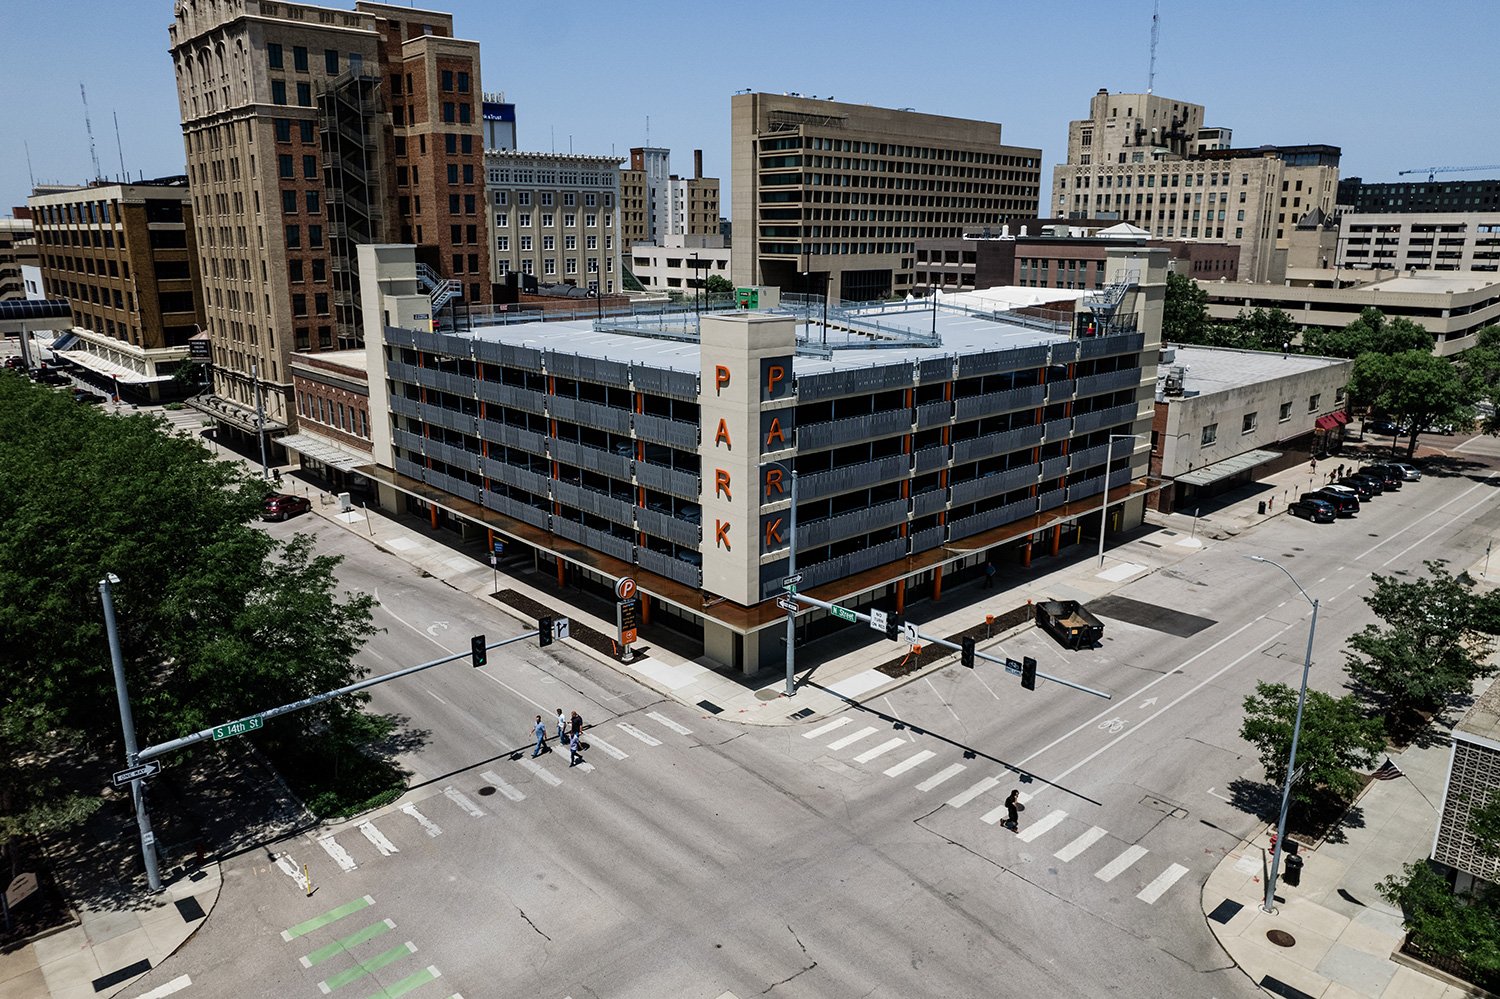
(1155, 35)
(29, 172)
(119, 148)
(93, 151)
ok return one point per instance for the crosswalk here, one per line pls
(840, 734)
(383, 834)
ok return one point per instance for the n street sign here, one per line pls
(787, 604)
(235, 728)
(843, 613)
(148, 769)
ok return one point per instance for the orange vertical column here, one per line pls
(900, 596)
(937, 584)
(1026, 554)
(1056, 538)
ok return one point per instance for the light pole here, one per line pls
(127, 727)
(1109, 452)
(1291, 763)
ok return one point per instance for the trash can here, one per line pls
(1293, 875)
(1262, 508)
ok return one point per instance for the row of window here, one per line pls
(502, 243)
(505, 175)
(546, 199)
(276, 59)
(334, 414)
(1248, 423)
(549, 220)
(549, 265)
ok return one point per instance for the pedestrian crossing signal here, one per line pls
(1028, 673)
(544, 630)
(477, 650)
(967, 655)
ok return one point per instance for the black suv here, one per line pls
(1367, 486)
(1390, 477)
(1314, 508)
(1344, 499)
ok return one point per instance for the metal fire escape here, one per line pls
(354, 195)
(1103, 306)
(441, 291)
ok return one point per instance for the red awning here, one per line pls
(1327, 423)
(1341, 416)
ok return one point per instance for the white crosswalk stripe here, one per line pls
(884, 747)
(1116, 867)
(463, 801)
(850, 740)
(657, 716)
(338, 853)
(962, 798)
(541, 772)
(618, 754)
(994, 815)
(1082, 843)
(631, 730)
(1041, 825)
(947, 773)
(377, 839)
(503, 786)
(825, 729)
(909, 762)
(430, 827)
(291, 869)
(1162, 882)
(583, 766)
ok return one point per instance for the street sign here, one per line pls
(625, 613)
(235, 728)
(148, 769)
(877, 620)
(1012, 666)
(624, 588)
(494, 561)
(559, 628)
(909, 632)
(499, 547)
(843, 613)
(787, 604)
(22, 886)
(792, 580)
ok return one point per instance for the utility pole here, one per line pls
(260, 421)
(791, 615)
(127, 726)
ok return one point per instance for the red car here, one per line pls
(280, 506)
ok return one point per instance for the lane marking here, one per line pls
(291, 869)
(1041, 825)
(367, 967)
(1423, 540)
(891, 710)
(338, 853)
(416, 980)
(962, 798)
(513, 690)
(669, 723)
(435, 697)
(542, 773)
(1430, 513)
(943, 702)
(502, 786)
(430, 827)
(463, 801)
(618, 754)
(986, 686)
(850, 740)
(318, 922)
(884, 747)
(948, 773)
(1164, 880)
(347, 943)
(1116, 867)
(377, 839)
(162, 991)
(631, 730)
(825, 729)
(1082, 843)
(584, 766)
(909, 762)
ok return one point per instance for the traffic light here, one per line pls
(1028, 673)
(967, 655)
(893, 627)
(544, 630)
(477, 650)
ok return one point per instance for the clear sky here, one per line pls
(1396, 85)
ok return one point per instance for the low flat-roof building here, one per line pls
(1420, 241)
(922, 443)
(1225, 417)
(680, 263)
(1473, 780)
(331, 392)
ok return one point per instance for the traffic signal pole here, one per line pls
(127, 728)
(931, 640)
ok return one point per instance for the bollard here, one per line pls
(307, 880)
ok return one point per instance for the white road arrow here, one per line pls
(436, 626)
(1147, 702)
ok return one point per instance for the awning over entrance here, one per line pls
(109, 369)
(1209, 474)
(1327, 422)
(319, 449)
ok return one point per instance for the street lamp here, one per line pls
(1291, 764)
(1109, 452)
(127, 728)
(789, 589)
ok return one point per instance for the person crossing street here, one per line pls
(541, 738)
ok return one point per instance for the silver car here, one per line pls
(1411, 473)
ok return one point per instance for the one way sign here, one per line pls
(148, 769)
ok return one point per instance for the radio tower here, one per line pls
(1155, 34)
(93, 152)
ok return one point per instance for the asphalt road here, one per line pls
(857, 856)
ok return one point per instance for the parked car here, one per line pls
(1364, 485)
(1409, 472)
(14, 361)
(1343, 506)
(1389, 476)
(1385, 428)
(87, 398)
(281, 506)
(1317, 510)
(1340, 495)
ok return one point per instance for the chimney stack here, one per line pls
(698, 163)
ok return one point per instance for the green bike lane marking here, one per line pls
(332, 915)
(364, 968)
(427, 974)
(347, 943)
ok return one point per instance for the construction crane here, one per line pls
(1432, 172)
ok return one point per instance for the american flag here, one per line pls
(1388, 771)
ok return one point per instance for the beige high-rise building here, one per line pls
(830, 195)
(553, 218)
(1150, 161)
(656, 203)
(309, 131)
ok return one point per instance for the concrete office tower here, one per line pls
(553, 218)
(310, 131)
(830, 195)
(125, 256)
(656, 203)
(1149, 160)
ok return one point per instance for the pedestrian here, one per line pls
(577, 722)
(989, 575)
(1013, 809)
(562, 727)
(573, 755)
(541, 738)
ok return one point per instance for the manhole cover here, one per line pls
(1281, 938)
(769, 694)
(486, 791)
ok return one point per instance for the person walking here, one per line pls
(541, 738)
(989, 575)
(562, 727)
(574, 757)
(1013, 809)
(577, 723)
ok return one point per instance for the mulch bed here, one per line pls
(913, 660)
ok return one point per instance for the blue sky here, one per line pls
(1396, 85)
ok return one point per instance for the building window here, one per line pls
(463, 82)
(299, 58)
(315, 236)
(289, 202)
(1286, 413)
(331, 61)
(305, 130)
(1210, 435)
(570, 242)
(1338, 396)
(572, 265)
(570, 220)
(549, 242)
(524, 220)
(448, 112)
(312, 202)
(293, 237)
(502, 220)
(278, 91)
(294, 271)
(1247, 426)
(299, 305)
(283, 128)
(549, 266)
(452, 171)
(446, 80)
(320, 302)
(310, 167)
(1312, 402)
(470, 204)
(502, 243)
(273, 55)
(284, 165)
(526, 245)
(304, 95)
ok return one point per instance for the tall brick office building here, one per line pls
(310, 131)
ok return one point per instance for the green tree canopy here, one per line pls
(1464, 926)
(1479, 367)
(1371, 333)
(1417, 388)
(1264, 329)
(1337, 737)
(1184, 312)
(718, 284)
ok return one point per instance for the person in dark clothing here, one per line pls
(1013, 809)
(989, 575)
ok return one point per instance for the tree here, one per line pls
(1336, 739)
(1264, 329)
(718, 284)
(1431, 645)
(1417, 388)
(1479, 366)
(1464, 926)
(1185, 311)
(1484, 826)
(1371, 333)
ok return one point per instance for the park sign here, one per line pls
(235, 728)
